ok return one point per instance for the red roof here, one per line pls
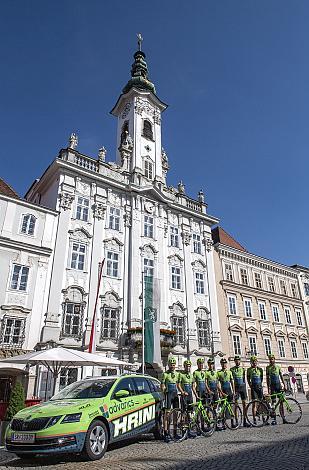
(221, 236)
(7, 190)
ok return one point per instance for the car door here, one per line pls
(123, 412)
(147, 403)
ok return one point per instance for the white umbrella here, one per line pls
(56, 358)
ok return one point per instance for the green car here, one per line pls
(86, 416)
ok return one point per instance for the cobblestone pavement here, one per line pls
(284, 447)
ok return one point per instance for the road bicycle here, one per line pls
(192, 419)
(259, 411)
(228, 414)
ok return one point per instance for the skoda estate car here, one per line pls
(86, 416)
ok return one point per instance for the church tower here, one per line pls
(138, 109)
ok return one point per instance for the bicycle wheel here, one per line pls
(290, 411)
(206, 420)
(178, 424)
(233, 418)
(257, 413)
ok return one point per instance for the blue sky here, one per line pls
(234, 73)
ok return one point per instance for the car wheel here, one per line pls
(96, 441)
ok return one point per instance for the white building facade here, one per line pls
(27, 236)
(125, 213)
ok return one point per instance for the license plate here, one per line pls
(22, 437)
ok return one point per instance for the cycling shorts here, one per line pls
(187, 399)
(257, 393)
(275, 388)
(241, 392)
(171, 400)
(212, 397)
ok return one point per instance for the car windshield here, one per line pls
(85, 389)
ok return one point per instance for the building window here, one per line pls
(112, 264)
(147, 130)
(248, 307)
(114, 218)
(176, 277)
(262, 310)
(19, 277)
(82, 209)
(197, 245)
(293, 349)
(236, 344)
(271, 284)
(148, 170)
(67, 376)
(267, 345)
(252, 345)
(288, 315)
(283, 287)
(178, 325)
(124, 131)
(228, 272)
(109, 325)
(258, 280)
(199, 283)
(305, 350)
(306, 287)
(78, 256)
(244, 276)
(148, 226)
(203, 333)
(232, 305)
(281, 348)
(299, 317)
(72, 319)
(13, 332)
(174, 236)
(28, 224)
(148, 267)
(276, 313)
(294, 290)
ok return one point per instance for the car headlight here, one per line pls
(74, 418)
(53, 420)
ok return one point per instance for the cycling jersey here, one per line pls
(212, 379)
(255, 377)
(225, 377)
(170, 379)
(273, 375)
(186, 380)
(199, 377)
(238, 376)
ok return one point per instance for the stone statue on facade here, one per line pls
(73, 141)
(102, 154)
(201, 197)
(164, 160)
(181, 187)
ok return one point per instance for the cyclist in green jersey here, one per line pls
(169, 387)
(239, 376)
(255, 379)
(185, 383)
(274, 379)
(199, 383)
(212, 384)
(225, 378)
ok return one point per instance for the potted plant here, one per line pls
(16, 403)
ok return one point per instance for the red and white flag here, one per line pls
(92, 342)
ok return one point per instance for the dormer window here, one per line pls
(148, 169)
(147, 130)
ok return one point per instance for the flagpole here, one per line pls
(92, 343)
(143, 327)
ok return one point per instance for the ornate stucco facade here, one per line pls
(125, 213)
(261, 309)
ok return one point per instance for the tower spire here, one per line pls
(139, 71)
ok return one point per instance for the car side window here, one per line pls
(154, 385)
(126, 384)
(142, 385)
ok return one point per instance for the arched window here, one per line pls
(28, 224)
(73, 312)
(124, 131)
(147, 130)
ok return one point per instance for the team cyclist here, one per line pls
(199, 380)
(169, 387)
(239, 377)
(274, 379)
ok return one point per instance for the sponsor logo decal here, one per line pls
(84, 406)
(133, 420)
(120, 406)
